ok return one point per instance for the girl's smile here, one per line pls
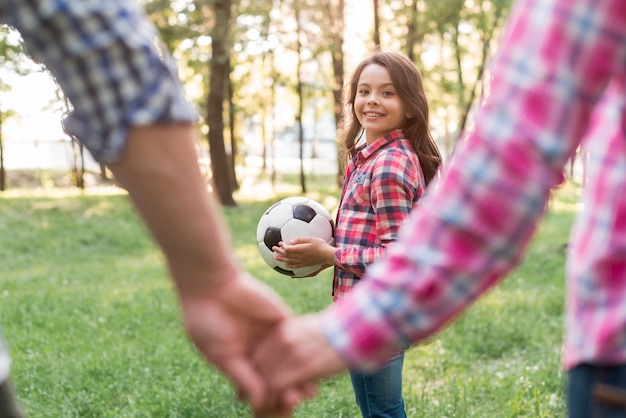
(372, 115)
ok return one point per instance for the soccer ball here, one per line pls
(291, 218)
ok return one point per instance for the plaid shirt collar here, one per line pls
(364, 152)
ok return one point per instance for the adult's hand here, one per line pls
(226, 325)
(294, 357)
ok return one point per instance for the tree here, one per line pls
(334, 13)
(78, 149)
(11, 57)
(449, 41)
(376, 35)
(183, 27)
(412, 37)
(175, 21)
(220, 72)
(300, 92)
(488, 19)
(233, 137)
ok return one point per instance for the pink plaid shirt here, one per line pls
(383, 183)
(557, 59)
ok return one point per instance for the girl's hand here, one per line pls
(303, 252)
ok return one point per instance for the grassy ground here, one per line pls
(94, 329)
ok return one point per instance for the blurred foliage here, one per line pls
(279, 64)
(451, 41)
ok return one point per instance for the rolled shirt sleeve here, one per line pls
(109, 61)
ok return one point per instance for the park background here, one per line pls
(87, 307)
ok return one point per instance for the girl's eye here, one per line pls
(388, 93)
(363, 92)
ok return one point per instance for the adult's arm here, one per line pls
(554, 62)
(224, 310)
(130, 111)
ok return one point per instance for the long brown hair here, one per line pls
(408, 85)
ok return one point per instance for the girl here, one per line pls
(391, 159)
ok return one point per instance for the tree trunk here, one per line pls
(273, 133)
(3, 182)
(78, 164)
(233, 138)
(486, 44)
(81, 183)
(376, 25)
(215, 105)
(337, 23)
(411, 33)
(300, 92)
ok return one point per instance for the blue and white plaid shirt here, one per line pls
(108, 59)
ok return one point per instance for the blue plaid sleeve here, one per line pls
(108, 59)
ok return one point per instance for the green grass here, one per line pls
(94, 330)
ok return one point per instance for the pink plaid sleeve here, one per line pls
(596, 269)
(554, 61)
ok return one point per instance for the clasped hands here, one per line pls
(245, 329)
(295, 354)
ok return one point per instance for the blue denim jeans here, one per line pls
(379, 395)
(597, 392)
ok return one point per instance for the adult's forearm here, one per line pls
(160, 171)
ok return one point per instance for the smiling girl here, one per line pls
(392, 157)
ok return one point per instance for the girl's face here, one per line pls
(376, 104)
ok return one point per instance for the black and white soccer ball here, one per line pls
(291, 218)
